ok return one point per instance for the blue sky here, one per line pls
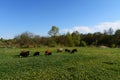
(38, 16)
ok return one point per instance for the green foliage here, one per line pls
(69, 41)
(28, 39)
(51, 42)
(24, 39)
(54, 31)
(117, 33)
(110, 31)
(76, 38)
(83, 44)
(113, 46)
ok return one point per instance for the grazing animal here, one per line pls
(36, 54)
(67, 50)
(74, 50)
(24, 53)
(48, 52)
(60, 50)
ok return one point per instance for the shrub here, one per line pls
(83, 44)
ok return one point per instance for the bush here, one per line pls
(113, 45)
(52, 44)
(83, 44)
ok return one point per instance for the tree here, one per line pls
(36, 40)
(88, 38)
(96, 38)
(51, 42)
(54, 31)
(69, 41)
(110, 31)
(117, 37)
(83, 44)
(117, 33)
(24, 40)
(76, 38)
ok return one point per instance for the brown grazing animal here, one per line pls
(48, 52)
(24, 53)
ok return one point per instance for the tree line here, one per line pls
(108, 38)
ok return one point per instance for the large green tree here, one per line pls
(53, 31)
(76, 38)
(24, 39)
(117, 37)
(69, 41)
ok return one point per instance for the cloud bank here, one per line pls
(95, 28)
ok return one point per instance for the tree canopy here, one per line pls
(28, 39)
(53, 31)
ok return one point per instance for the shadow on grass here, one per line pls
(18, 56)
(109, 63)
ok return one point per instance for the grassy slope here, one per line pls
(86, 64)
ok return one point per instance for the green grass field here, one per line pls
(86, 64)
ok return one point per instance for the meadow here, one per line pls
(86, 64)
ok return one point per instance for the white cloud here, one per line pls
(95, 28)
(81, 29)
(106, 25)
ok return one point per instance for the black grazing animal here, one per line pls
(24, 53)
(74, 50)
(67, 50)
(48, 52)
(36, 54)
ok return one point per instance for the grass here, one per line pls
(86, 64)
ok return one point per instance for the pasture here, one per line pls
(86, 64)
